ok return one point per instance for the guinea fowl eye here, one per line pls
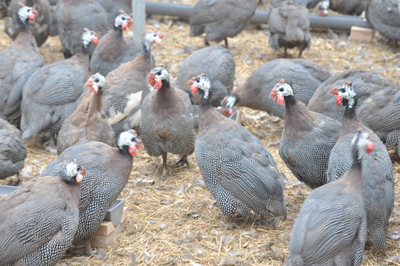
(342, 90)
(281, 89)
(123, 18)
(96, 80)
(155, 35)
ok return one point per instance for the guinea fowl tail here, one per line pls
(293, 31)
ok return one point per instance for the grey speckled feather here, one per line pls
(12, 150)
(219, 66)
(288, 25)
(112, 51)
(113, 7)
(167, 122)
(381, 113)
(107, 172)
(50, 95)
(304, 76)
(349, 7)
(378, 179)
(40, 28)
(72, 16)
(239, 172)
(365, 84)
(385, 18)
(220, 19)
(304, 3)
(331, 228)
(38, 222)
(17, 63)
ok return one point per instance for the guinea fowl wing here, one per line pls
(242, 169)
(323, 236)
(29, 232)
(208, 11)
(61, 88)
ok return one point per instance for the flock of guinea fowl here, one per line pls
(346, 163)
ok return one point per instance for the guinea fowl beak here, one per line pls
(128, 24)
(334, 91)
(80, 175)
(91, 86)
(158, 40)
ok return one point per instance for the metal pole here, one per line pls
(335, 22)
(139, 17)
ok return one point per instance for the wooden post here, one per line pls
(139, 17)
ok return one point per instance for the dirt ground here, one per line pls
(176, 221)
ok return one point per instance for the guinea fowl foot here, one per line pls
(226, 42)
(206, 42)
(183, 161)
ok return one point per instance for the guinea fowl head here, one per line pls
(281, 90)
(26, 13)
(152, 37)
(129, 141)
(323, 8)
(123, 20)
(73, 172)
(95, 82)
(157, 76)
(227, 104)
(344, 91)
(200, 84)
(89, 37)
(361, 143)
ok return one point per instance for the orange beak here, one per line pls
(91, 86)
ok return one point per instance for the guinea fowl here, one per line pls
(365, 83)
(289, 25)
(107, 172)
(219, 65)
(304, 3)
(17, 63)
(114, 49)
(220, 19)
(305, 77)
(331, 228)
(50, 94)
(113, 7)
(385, 18)
(378, 180)
(128, 86)
(41, 25)
(238, 171)
(71, 16)
(381, 113)
(167, 119)
(88, 122)
(307, 138)
(12, 150)
(349, 7)
(38, 220)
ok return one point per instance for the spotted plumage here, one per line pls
(307, 138)
(107, 172)
(378, 180)
(239, 172)
(38, 221)
(331, 228)
(167, 119)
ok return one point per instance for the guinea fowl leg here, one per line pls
(226, 42)
(206, 42)
(88, 247)
(301, 50)
(183, 161)
(285, 52)
(165, 168)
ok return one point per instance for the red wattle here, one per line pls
(158, 84)
(370, 147)
(32, 17)
(194, 89)
(281, 99)
(230, 112)
(123, 26)
(95, 40)
(132, 150)
(339, 100)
